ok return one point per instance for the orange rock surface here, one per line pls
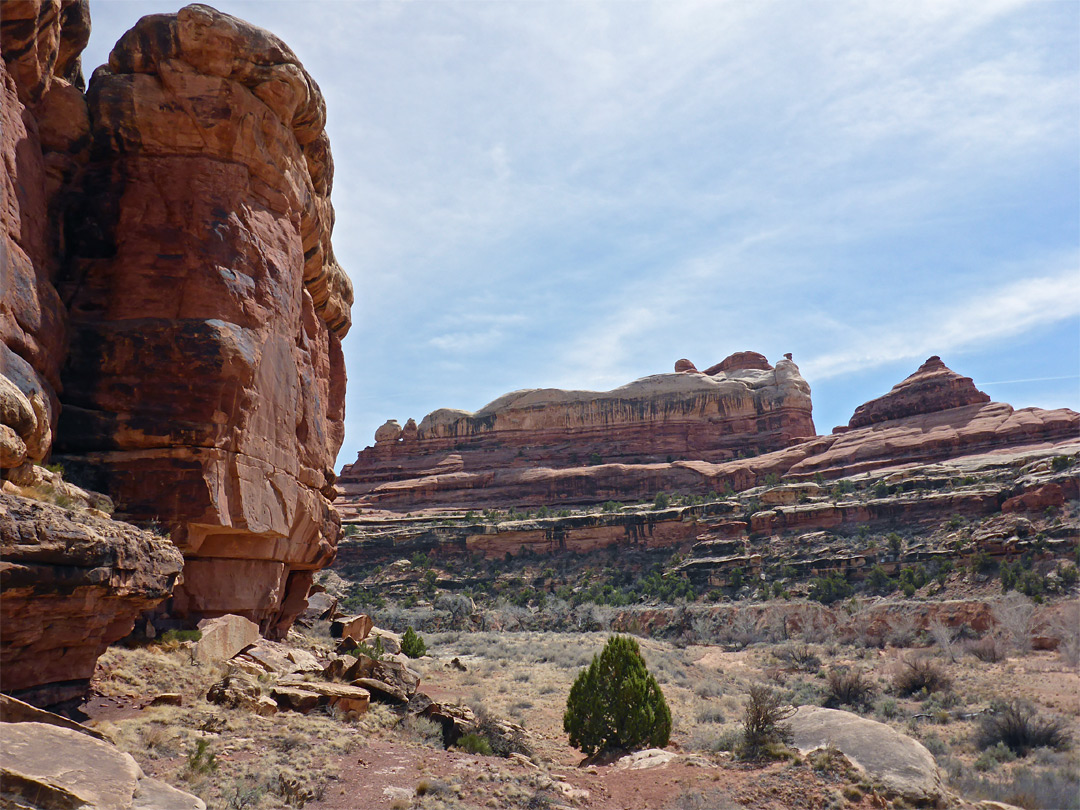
(490, 459)
(205, 382)
(549, 443)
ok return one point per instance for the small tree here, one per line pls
(616, 703)
(412, 644)
(763, 723)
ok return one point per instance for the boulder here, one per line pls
(241, 692)
(320, 607)
(44, 767)
(13, 710)
(223, 637)
(295, 698)
(391, 641)
(900, 764)
(71, 585)
(1036, 499)
(354, 627)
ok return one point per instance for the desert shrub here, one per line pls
(1017, 725)
(661, 501)
(799, 656)
(179, 636)
(848, 687)
(412, 644)
(920, 675)
(994, 756)
(616, 702)
(877, 581)
(473, 743)
(202, 760)
(763, 723)
(988, 648)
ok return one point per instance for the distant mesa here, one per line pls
(732, 426)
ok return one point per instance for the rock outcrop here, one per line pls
(44, 138)
(933, 387)
(900, 764)
(71, 583)
(205, 384)
(742, 406)
(44, 767)
(513, 452)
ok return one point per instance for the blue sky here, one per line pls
(577, 194)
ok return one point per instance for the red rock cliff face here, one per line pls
(748, 408)
(205, 383)
(44, 135)
(933, 387)
(935, 414)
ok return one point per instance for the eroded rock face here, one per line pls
(205, 385)
(747, 408)
(44, 136)
(933, 387)
(507, 454)
(72, 583)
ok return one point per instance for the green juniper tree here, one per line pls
(616, 703)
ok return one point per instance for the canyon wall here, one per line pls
(743, 406)
(205, 384)
(171, 311)
(933, 415)
(44, 139)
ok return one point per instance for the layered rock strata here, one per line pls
(746, 407)
(205, 384)
(44, 139)
(932, 416)
(71, 583)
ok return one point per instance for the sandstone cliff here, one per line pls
(933, 415)
(205, 383)
(44, 135)
(747, 407)
(171, 311)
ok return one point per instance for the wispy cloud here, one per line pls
(982, 320)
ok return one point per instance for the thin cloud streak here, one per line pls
(1007, 312)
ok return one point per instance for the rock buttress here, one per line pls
(205, 384)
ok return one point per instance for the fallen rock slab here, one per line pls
(223, 637)
(355, 627)
(45, 767)
(897, 762)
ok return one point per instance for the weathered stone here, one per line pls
(1036, 499)
(391, 641)
(354, 627)
(13, 710)
(543, 445)
(168, 699)
(303, 661)
(240, 692)
(320, 607)
(933, 387)
(295, 698)
(223, 637)
(217, 412)
(381, 690)
(70, 585)
(271, 656)
(49, 768)
(899, 763)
